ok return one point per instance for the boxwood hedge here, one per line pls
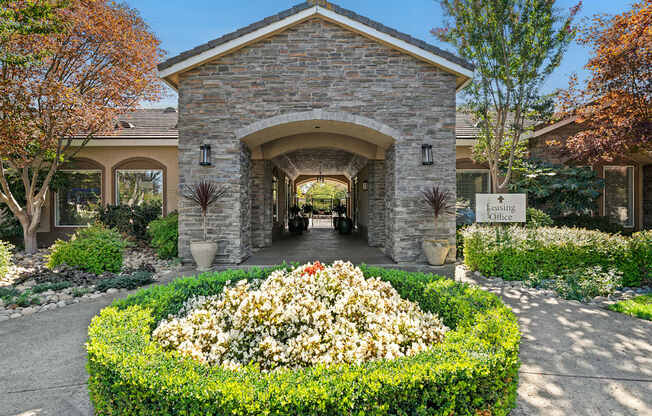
(514, 253)
(474, 371)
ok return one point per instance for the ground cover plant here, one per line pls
(95, 249)
(472, 371)
(517, 253)
(640, 307)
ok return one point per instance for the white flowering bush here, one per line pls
(304, 317)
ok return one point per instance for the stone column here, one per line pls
(376, 220)
(261, 203)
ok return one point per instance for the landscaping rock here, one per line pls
(29, 311)
(112, 291)
(61, 304)
(15, 315)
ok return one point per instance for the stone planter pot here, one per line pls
(204, 253)
(436, 251)
(345, 225)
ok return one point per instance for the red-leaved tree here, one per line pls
(615, 104)
(102, 63)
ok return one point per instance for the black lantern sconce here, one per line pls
(205, 159)
(426, 154)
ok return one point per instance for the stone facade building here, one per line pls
(274, 98)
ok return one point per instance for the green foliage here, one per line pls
(640, 307)
(26, 299)
(557, 189)
(130, 220)
(164, 235)
(44, 287)
(589, 222)
(10, 228)
(78, 292)
(640, 254)
(474, 371)
(580, 284)
(537, 218)
(5, 257)
(7, 294)
(128, 281)
(515, 45)
(515, 253)
(95, 249)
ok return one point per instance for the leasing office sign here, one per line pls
(500, 207)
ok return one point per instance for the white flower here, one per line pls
(309, 315)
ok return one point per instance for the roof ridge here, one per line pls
(301, 7)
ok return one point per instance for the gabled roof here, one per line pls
(170, 69)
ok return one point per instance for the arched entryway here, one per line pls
(293, 149)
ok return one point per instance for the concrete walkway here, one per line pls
(577, 359)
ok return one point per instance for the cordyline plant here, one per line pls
(66, 73)
(614, 106)
(515, 45)
(204, 194)
(440, 202)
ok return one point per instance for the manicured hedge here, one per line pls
(514, 253)
(474, 371)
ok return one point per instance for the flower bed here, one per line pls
(516, 253)
(472, 371)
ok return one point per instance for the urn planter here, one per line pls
(203, 252)
(345, 225)
(436, 251)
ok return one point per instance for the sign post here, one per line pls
(501, 208)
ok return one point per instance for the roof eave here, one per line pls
(170, 74)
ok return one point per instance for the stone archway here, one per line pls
(285, 148)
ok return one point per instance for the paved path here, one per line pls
(577, 359)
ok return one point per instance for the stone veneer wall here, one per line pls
(376, 207)
(318, 65)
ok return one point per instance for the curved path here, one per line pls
(577, 359)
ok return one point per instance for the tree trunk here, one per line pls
(31, 243)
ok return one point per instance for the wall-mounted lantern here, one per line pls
(205, 159)
(426, 154)
(365, 186)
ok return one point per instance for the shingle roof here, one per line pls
(162, 123)
(299, 8)
(147, 123)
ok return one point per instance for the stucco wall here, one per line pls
(110, 157)
(318, 65)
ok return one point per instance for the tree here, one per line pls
(27, 17)
(515, 45)
(615, 104)
(102, 63)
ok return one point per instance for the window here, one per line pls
(139, 186)
(619, 194)
(76, 201)
(471, 182)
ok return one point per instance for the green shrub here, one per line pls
(640, 307)
(130, 220)
(537, 218)
(78, 292)
(95, 249)
(514, 253)
(164, 234)
(474, 371)
(132, 281)
(5, 257)
(640, 255)
(589, 222)
(44, 287)
(580, 284)
(7, 294)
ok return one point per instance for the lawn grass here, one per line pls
(640, 307)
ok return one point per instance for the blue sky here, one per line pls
(182, 25)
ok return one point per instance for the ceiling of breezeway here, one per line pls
(329, 161)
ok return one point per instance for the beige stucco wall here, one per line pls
(109, 157)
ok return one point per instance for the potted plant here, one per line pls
(204, 194)
(441, 203)
(296, 223)
(339, 209)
